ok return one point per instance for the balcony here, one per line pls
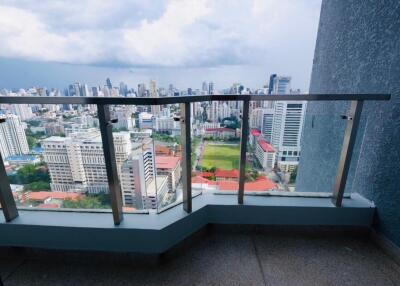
(157, 232)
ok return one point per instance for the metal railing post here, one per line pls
(243, 149)
(6, 197)
(186, 157)
(103, 112)
(347, 150)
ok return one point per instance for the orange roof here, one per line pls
(260, 185)
(227, 173)
(48, 206)
(162, 150)
(267, 147)
(41, 196)
(206, 174)
(167, 162)
(201, 180)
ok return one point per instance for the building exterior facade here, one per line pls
(12, 136)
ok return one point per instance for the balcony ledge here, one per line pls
(156, 233)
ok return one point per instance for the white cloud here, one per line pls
(175, 33)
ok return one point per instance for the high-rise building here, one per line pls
(123, 89)
(211, 88)
(24, 111)
(12, 136)
(204, 88)
(76, 163)
(141, 90)
(286, 132)
(141, 188)
(108, 82)
(267, 123)
(279, 84)
(155, 109)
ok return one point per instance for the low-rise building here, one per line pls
(265, 154)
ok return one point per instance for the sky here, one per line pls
(54, 42)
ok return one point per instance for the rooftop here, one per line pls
(255, 132)
(167, 162)
(227, 173)
(265, 145)
(41, 196)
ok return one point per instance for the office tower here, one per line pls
(84, 90)
(95, 91)
(279, 84)
(286, 132)
(271, 83)
(256, 118)
(211, 88)
(106, 91)
(141, 90)
(12, 136)
(77, 89)
(155, 109)
(24, 111)
(141, 188)
(267, 123)
(123, 89)
(108, 83)
(204, 88)
(76, 163)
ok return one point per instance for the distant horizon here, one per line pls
(22, 74)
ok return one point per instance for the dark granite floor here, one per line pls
(215, 256)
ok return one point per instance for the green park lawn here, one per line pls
(221, 156)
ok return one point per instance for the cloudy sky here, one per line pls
(277, 34)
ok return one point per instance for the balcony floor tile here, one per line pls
(215, 256)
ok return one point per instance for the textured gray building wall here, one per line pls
(357, 51)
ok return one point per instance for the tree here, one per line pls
(37, 186)
(30, 173)
(293, 176)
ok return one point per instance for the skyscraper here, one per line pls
(286, 132)
(204, 88)
(108, 82)
(12, 136)
(211, 88)
(267, 123)
(279, 84)
(141, 90)
(155, 109)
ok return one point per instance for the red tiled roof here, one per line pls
(41, 196)
(255, 132)
(260, 185)
(206, 174)
(227, 173)
(220, 129)
(48, 206)
(167, 162)
(201, 180)
(267, 147)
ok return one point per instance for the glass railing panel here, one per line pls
(274, 150)
(54, 157)
(216, 146)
